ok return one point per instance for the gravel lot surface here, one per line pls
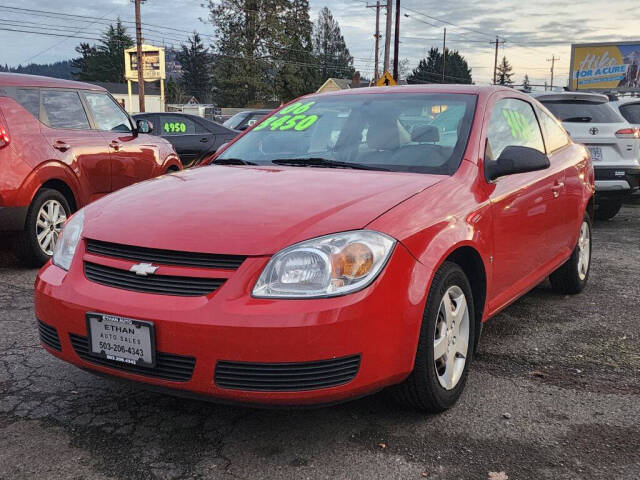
(553, 394)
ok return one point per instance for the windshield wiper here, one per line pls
(577, 119)
(231, 161)
(323, 163)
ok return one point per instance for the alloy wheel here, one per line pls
(51, 217)
(584, 250)
(451, 337)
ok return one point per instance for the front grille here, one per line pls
(283, 377)
(159, 284)
(177, 368)
(164, 257)
(49, 336)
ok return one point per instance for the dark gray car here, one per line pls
(194, 138)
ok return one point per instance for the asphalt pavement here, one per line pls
(553, 394)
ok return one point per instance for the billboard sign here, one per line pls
(605, 66)
(153, 65)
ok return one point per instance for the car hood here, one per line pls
(247, 210)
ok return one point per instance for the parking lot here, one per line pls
(553, 394)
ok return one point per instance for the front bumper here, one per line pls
(12, 219)
(616, 182)
(379, 325)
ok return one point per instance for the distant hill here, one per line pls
(61, 69)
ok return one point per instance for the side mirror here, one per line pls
(144, 126)
(516, 159)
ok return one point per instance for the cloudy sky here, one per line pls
(533, 31)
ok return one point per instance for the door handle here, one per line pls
(557, 187)
(115, 145)
(62, 146)
(204, 140)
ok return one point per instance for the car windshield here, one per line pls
(424, 133)
(582, 111)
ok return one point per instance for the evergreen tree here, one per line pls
(195, 60)
(526, 84)
(429, 70)
(104, 62)
(505, 72)
(246, 32)
(174, 92)
(330, 49)
(296, 73)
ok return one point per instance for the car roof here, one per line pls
(558, 96)
(24, 80)
(423, 88)
(626, 100)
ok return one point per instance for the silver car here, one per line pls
(614, 143)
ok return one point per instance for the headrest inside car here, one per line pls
(425, 133)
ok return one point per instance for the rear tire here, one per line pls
(45, 217)
(607, 209)
(432, 386)
(572, 276)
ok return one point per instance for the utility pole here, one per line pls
(377, 37)
(139, 55)
(553, 62)
(495, 62)
(444, 53)
(387, 37)
(396, 42)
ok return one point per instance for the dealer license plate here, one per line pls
(596, 153)
(122, 339)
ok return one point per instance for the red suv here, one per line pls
(62, 145)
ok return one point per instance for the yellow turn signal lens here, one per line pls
(353, 261)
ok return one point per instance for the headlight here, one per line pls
(325, 266)
(68, 240)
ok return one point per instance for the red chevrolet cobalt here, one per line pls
(349, 242)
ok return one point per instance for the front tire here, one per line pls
(445, 344)
(607, 209)
(47, 213)
(572, 276)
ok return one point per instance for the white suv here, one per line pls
(614, 143)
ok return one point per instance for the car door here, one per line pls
(527, 208)
(190, 139)
(73, 141)
(134, 157)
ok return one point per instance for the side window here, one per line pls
(178, 125)
(107, 113)
(512, 123)
(29, 98)
(254, 118)
(63, 109)
(554, 135)
(155, 121)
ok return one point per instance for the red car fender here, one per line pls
(47, 171)
(468, 226)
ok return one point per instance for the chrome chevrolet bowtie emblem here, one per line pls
(143, 269)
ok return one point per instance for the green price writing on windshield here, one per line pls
(175, 127)
(290, 117)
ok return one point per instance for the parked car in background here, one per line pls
(243, 120)
(329, 252)
(64, 144)
(614, 144)
(193, 137)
